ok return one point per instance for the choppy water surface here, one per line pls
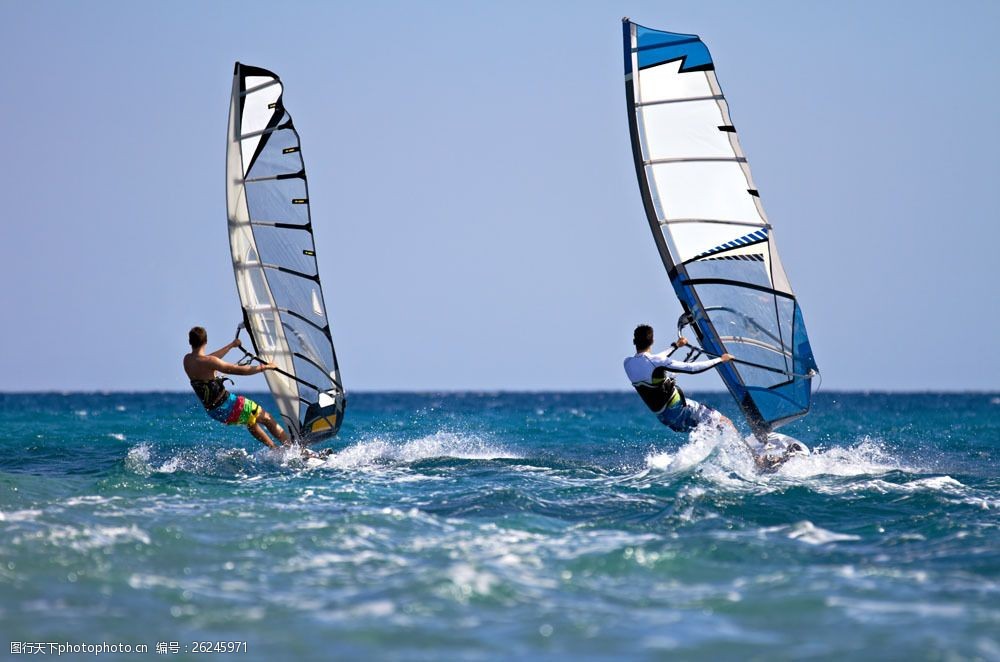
(485, 525)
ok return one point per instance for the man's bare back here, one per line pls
(202, 369)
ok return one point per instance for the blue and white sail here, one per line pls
(274, 257)
(710, 227)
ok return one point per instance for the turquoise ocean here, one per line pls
(509, 525)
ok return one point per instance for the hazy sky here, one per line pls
(478, 222)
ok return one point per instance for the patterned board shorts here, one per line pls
(236, 410)
(688, 417)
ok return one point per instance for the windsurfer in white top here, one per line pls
(648, 374)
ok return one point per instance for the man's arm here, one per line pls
(233, 369)
(682, 366)
(222, 351)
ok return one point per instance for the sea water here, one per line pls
(485, 526)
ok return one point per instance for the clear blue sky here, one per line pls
(478, 221)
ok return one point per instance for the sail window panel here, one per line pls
(314, 345)
(273, 201)
(711, 190)
(286, 247)
(289, 292)
(664, 83)
(752, 375)
(785, 312)
(274, 159)
(685, 130)
(742, 270)
(315, 358)
(804, 361)
(745, 340)
(294, 293)
(304, 369)
(740, 312)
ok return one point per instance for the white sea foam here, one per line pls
(137, 460)
(866, 457)
(19, 515)
(90, 499)
(943, 484)
(865, 610)
(466, 581)
(722, 457)
(141, 460)
(117, 435)
(83, 539)
(437, 445)
(807, 532)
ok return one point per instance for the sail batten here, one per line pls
(710, 228)
(274, 257)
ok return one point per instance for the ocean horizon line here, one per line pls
(502, 391)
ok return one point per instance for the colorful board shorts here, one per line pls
(236, 410)
(684, 418)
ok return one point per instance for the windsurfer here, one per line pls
(220, 404)
(648, 374)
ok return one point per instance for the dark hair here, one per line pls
(197, 336)
(642, 337)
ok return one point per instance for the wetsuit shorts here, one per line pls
(236, 410)
(684, 418)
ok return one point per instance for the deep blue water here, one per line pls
(481, 526)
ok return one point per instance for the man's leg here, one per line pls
(724, 421)
(260, 435)
(272, 425)
(694, 414)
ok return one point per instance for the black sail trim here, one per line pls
(243, 71)
(325, 330)
(722, 251)
(736, 283)
(311, 362)
(293, 272)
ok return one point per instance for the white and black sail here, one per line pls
(274, 257)
(710, 227)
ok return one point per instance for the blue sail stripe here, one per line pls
(655, 47)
